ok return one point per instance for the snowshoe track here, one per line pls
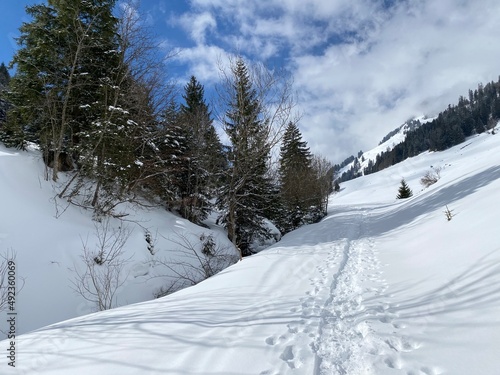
(338, 313)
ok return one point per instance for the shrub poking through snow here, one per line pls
(150, 242)
(103, 270)
(193, 261)
(431, 177)
(208, 245)
(404, 190)
(448, 213)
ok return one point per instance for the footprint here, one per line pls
(294, 327)
(291, 357)
(288, 356)
(385, 319)
(273, 340)
(393, 362)
(403, 344)
(270, 341)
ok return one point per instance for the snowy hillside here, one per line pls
(389, 144)
(48, 237)
(398, 137)
(380, 286)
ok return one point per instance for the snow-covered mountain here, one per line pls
(380, 286)
(394, 138)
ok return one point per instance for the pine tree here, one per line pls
(165, 151)
(4, 83)
(248, 188)
(74, 94)
(68, 71)
(296, 179)
(404, 190)
(4, 77)
(202, 152)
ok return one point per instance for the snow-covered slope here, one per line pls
(380, 286)
(398, 137)
(48, 237)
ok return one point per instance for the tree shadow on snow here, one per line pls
(472, 291)
(192, 325)
(378, 224)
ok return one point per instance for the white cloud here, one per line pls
(203, 61)
(198, 24)
(360, 68)
(416, 62)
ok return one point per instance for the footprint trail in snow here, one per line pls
(345, 324)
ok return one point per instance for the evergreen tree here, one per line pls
(248, 188)
(203, 154)
(172, 146)
(74, 94)
(404, 190)
(336, 186)
(296, 179)
(4, 77)
(65, 89)
(4, 83)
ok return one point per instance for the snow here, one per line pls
(47, 235)
(380, 286)
(388, 145)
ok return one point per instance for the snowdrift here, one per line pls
(380, 286)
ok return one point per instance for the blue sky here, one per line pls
(360, 67)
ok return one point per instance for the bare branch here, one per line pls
(192, 261)
(103, 273)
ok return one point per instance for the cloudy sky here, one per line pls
(360, 67)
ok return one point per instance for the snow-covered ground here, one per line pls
(380, 286)
(48, 236)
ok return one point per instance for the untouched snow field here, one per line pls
(380, 286)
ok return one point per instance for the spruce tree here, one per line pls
(200, 169)
(4, 83)
(67, 76)
(404, 190)
(73, 93)
(248, 188)
(296, 179)
(4, 77)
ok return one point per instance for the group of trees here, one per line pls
(91, 91)
(473, 115)
(293, 194)
(305, 182)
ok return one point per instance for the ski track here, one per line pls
(346, 321)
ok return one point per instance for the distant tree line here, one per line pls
(477, 113)
(90, 90)
(352, 173)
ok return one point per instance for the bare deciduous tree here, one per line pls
(192, 261)
(104, 264)
(431, 177)
(323, 170)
